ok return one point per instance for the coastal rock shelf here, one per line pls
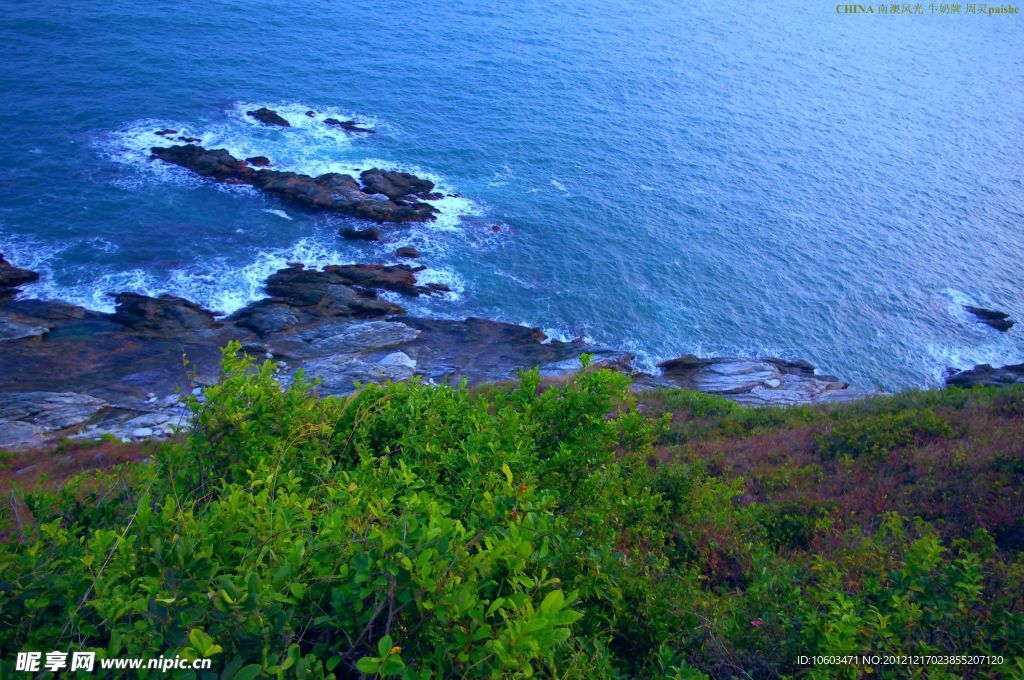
(386, 197)
(74, 372)
(984, 374)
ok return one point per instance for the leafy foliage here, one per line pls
(428, 532)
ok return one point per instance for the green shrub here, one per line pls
(428, 532)
(877, 434)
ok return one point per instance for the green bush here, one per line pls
(877, 434)
(427, 532)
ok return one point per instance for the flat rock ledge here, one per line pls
(73, 372)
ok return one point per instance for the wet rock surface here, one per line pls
(985, 374)
(370, 234)
(73, 372)
(348, 125)
(330, 192)
(1001, 321)
(11, 277)
(269, 117)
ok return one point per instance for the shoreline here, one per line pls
(79, 373)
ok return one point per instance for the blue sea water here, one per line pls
(666, 177)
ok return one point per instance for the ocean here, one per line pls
(663, 177)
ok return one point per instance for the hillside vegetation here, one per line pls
(559, 531)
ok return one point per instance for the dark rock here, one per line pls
(331, 192)
(433, 288)
(11, 277)
(216, 163)
(342, 290)
(480, 350)
(311, 114)
(1001, 321)
(394, 185)
(165, 315)
(166, 131)
(269, 117)
(985, 374)
(371, 234)
(266, 316)
(408, 252)
(797, 367)
(349, 126)
(258, 161)
(399, 278)
(189, 140)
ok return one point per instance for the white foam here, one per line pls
(310, 147)
(962, 357)
(279, 213)
(443, 276)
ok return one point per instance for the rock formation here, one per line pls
(269, 117)
(331, 192)
(1001, 321)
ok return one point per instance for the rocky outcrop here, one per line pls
(28, 417)
(258, 161)
(74, 372)
(331, 192)
(165, 315)
(757, 382)
(394, 185)
(349, 126)
(985, 374)
(407, 252)
(1001, 321)
(11, 277)
(269, 117)
(215, 163)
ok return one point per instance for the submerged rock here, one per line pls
(1001, 321)
(407, 252)
(371, 234)
(269, 117)
(349, 126)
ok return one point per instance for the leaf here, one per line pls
(552, 602)
(368, 664)
(508, 472)
(248, 673)
(384, 645)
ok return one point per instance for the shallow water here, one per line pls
(702, 177)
